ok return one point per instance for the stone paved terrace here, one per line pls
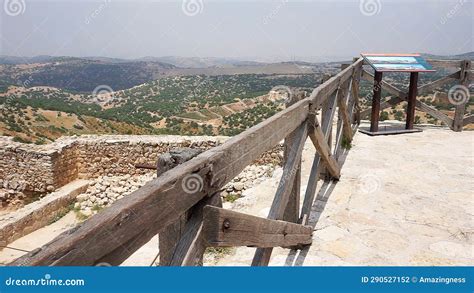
(401, 200)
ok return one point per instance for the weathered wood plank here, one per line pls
(430, 87)
(468, 120)
(170, 236)
(391, 101)
(192, 244)
(461, 107)
(445, 63)
(385, 85)
(355, 91)
(173, 158)
(343, 111)
(292, 210)
(310, 189)
(322, 92)
(280, 201)
(318, 138)
(328, 111)
(162, 201)
(225, 228)
(434, 112)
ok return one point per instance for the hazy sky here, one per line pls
(261, 30)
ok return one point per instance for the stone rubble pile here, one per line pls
(104, 190)
(11, 198)
(249, 177)
(11, 192)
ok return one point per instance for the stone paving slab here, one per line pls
(401, 200)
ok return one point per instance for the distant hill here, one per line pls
(79, 75)
(198, 62)
(464, 56)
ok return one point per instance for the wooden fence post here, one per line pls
(463, 81)
(326, 109)
(293, 208)
(169, 237)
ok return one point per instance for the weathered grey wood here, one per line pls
(468, 120)
(339, 137)
(192, 244)
(434, 112)
(430, 87)
(225, 228)
(310, 189)
(445, 63)
(321, 93)
(174, 157)
(385, 85)
(391, 101)
(161, 201)
(328, 111)
(464, 81)
(318, 138)
(280, 201)
(355, 92)
(315, 173)
(344, 112)
(170, 236)
(292, 210)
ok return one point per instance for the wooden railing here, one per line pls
(183, 204)
(464, 78)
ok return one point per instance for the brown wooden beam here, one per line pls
(318, 137)
(411, 100)
(280, 201)
(192, 243)
(461, 106)
(225, 228)
(375, 113)
(468, 120)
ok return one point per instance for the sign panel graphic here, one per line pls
(398, 62)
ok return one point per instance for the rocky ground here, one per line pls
(105, 190)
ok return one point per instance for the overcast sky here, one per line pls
(259, 30)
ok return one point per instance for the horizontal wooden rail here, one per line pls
(468, 120)
(322, 92)
(225, 228)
